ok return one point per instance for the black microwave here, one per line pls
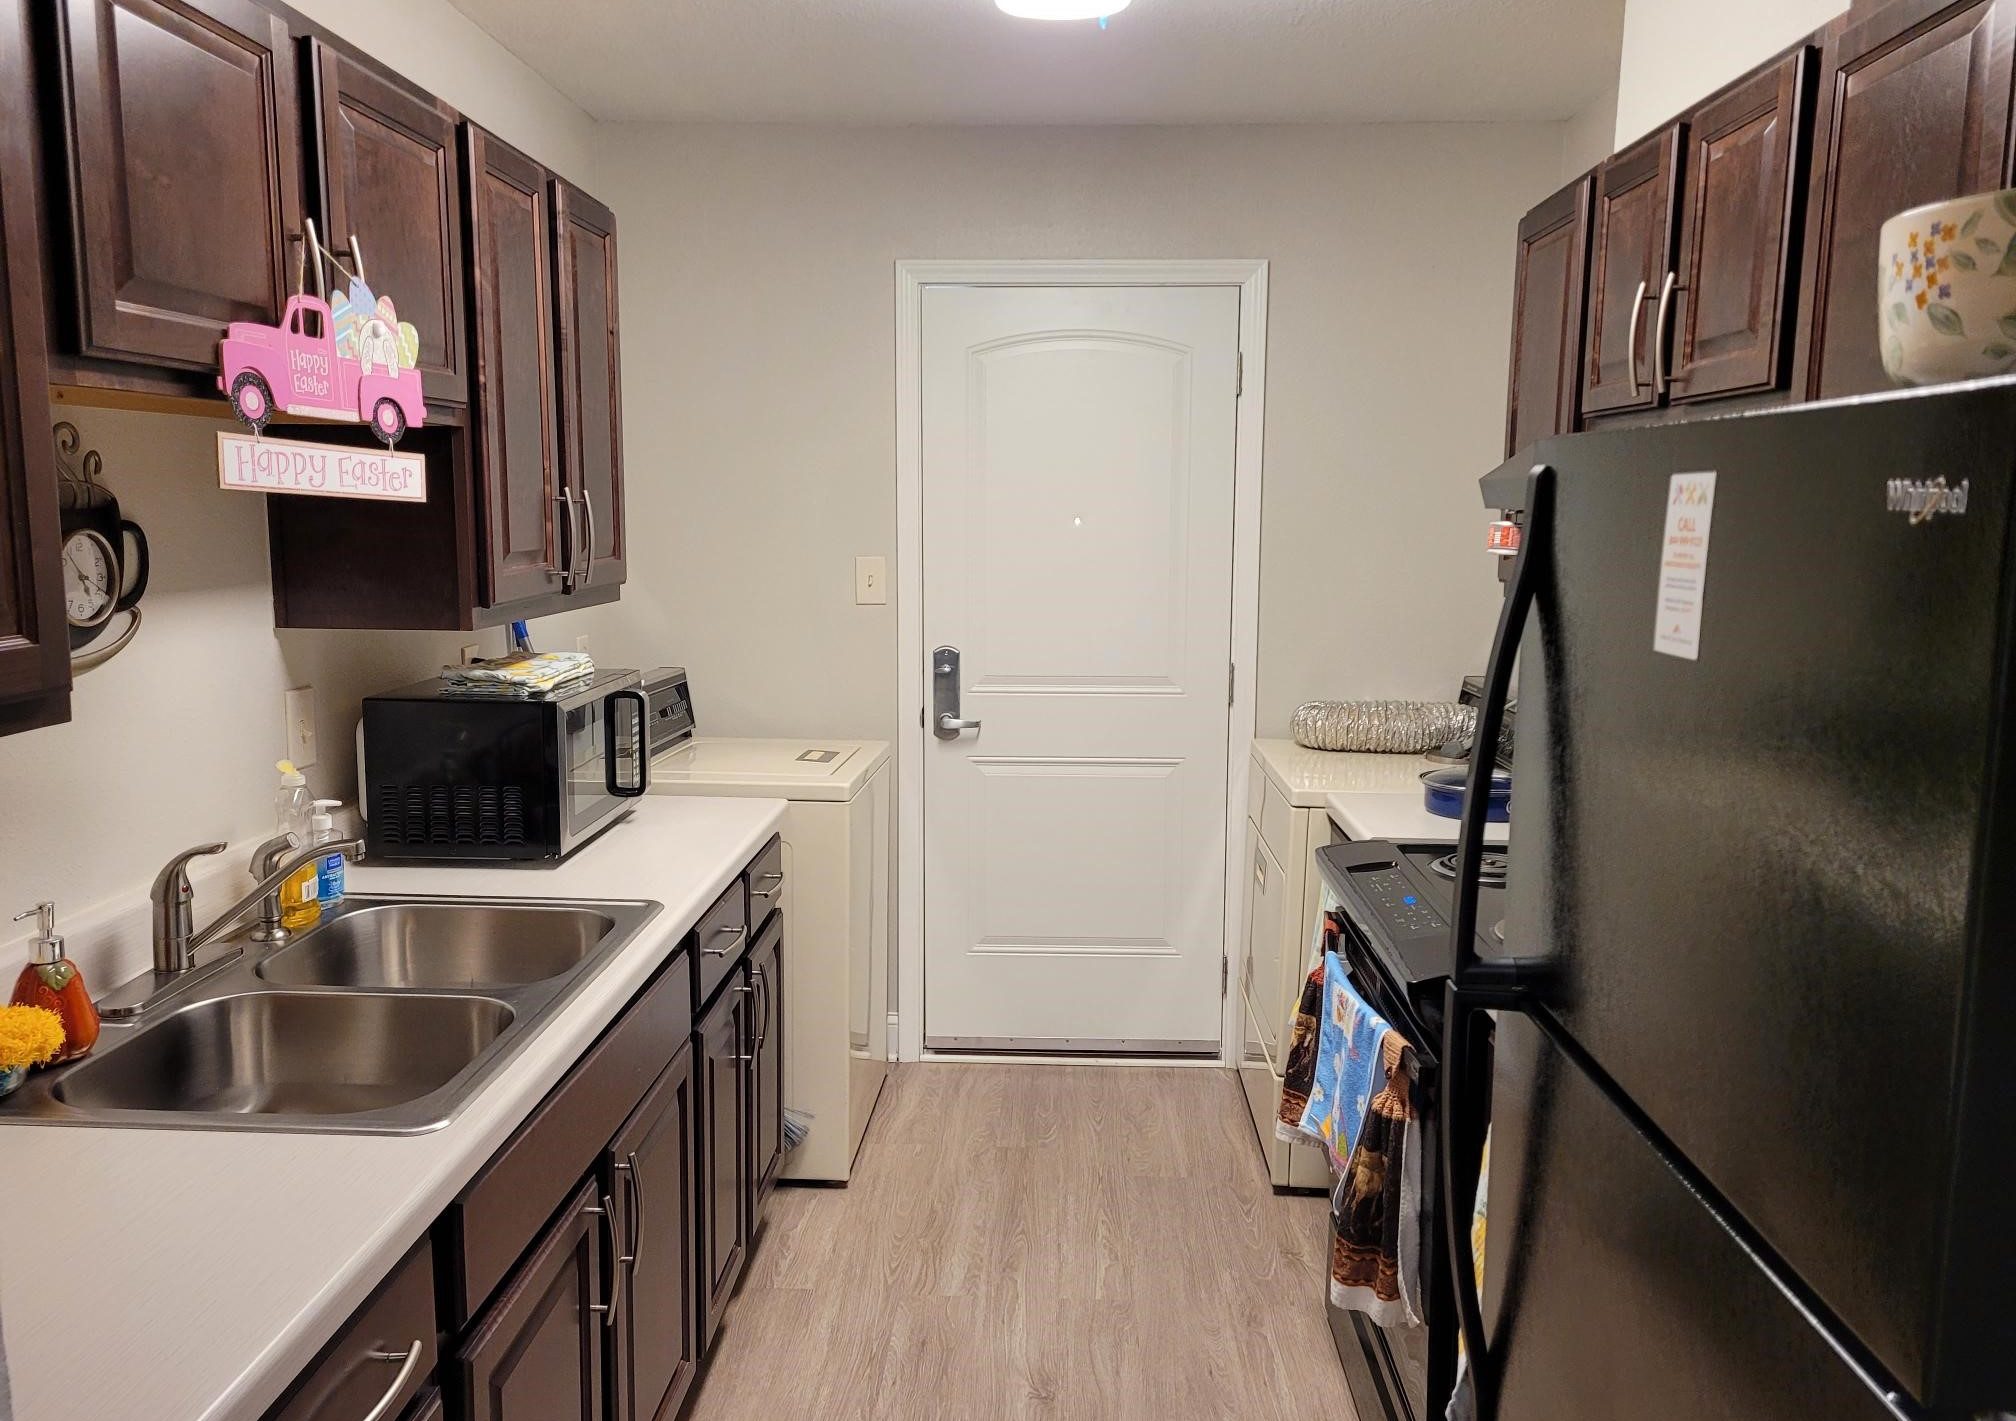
(446, 774)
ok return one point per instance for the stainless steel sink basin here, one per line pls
(291, 1053)
(441, 945)
(384, 1019)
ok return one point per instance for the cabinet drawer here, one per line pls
(387, 1349)
(720, 941)
(506, 1205)
(766, 882)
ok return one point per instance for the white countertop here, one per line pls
(1401, 816)
(1309, 777)
(156, 1274)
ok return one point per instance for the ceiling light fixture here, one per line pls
(1061, 9)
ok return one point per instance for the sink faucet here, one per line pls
(176, 938)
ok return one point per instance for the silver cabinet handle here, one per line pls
(635, 1176)
(762, 985)
(570, 535)
(1661, 376)
(409, 1361)
(734, 934)
(588, 542)
(609, 1310)
(1631, 352)
(776, 879)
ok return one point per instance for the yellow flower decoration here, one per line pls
(28, 1036)
(1921, 300)
(1914, 239)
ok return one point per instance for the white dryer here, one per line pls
(836, 920)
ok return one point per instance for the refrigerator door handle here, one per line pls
(1476, 984)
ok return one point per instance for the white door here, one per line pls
(1077, 496)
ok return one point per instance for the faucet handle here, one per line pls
(171, 885)
(267, 856)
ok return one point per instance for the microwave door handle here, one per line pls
(611, 743)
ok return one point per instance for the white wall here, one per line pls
(1678, 51)
(1589, 136)
(759, 383)
(174, 741)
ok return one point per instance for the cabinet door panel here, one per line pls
(1733, 316)
(392, 178)
(1914, 108)
(591, 415)
(34, 637)
(1631, 254)
(184, 147)
(653, 1167)
(766, 976)
(724, 1150)
(537, 1354)
(1549, 286)
(518, 444)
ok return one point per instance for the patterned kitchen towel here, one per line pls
(1298, 1071)
(1375, 1221)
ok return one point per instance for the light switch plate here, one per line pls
(300, 713)
(871, 582)
(581, 642)
(472, 651)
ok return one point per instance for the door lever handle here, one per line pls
(950, 725)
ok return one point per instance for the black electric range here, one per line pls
(1396, 901)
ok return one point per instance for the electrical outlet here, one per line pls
(300, 713)
(871, 582)
(472, 651)
(581, 642)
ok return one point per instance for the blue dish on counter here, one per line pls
(1444, 790)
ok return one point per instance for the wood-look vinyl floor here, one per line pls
(1080, 1243)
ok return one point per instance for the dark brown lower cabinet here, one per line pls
(537, 1355)
(766, 977)
(655, 1344)
(382, 1359)
(724, 1062)
(428, 1408)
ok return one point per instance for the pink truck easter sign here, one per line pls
(350, 358)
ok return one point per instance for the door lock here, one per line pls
(945, 721)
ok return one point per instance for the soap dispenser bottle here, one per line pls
(329, 869)
(52, 981)
(294, 811)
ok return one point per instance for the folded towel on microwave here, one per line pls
(1350, 1080)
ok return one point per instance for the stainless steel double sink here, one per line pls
(385, 1018)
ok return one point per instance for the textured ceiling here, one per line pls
(1160, 61)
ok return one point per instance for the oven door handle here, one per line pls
(1474, 983)
(611, 742)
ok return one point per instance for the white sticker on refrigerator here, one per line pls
(1683, 565)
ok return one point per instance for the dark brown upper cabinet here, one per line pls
(1914, 108)
(1631, 254)
(591, 415)
(1549, 283)
(34, 636)
(1732, 311)
(182, 139)
(517, 423)
(389, 163)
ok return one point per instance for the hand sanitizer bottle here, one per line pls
(329, 871)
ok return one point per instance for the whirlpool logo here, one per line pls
(1926, 499)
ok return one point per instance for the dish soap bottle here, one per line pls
(294, 809)
(52, 981)
(329, 870)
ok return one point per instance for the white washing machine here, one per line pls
(836, 920)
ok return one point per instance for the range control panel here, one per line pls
(1398, 902)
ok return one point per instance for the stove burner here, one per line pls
(1491, 870)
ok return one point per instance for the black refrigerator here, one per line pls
(1747, 1053)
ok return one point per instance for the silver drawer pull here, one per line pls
(734, 935)
(410, 1363)
(775, 879)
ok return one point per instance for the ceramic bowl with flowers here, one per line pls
(29, 1036)
(1947, 290)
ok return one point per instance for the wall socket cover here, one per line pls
(581, 643)
(300, 715)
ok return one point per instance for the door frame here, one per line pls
(912, 279)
